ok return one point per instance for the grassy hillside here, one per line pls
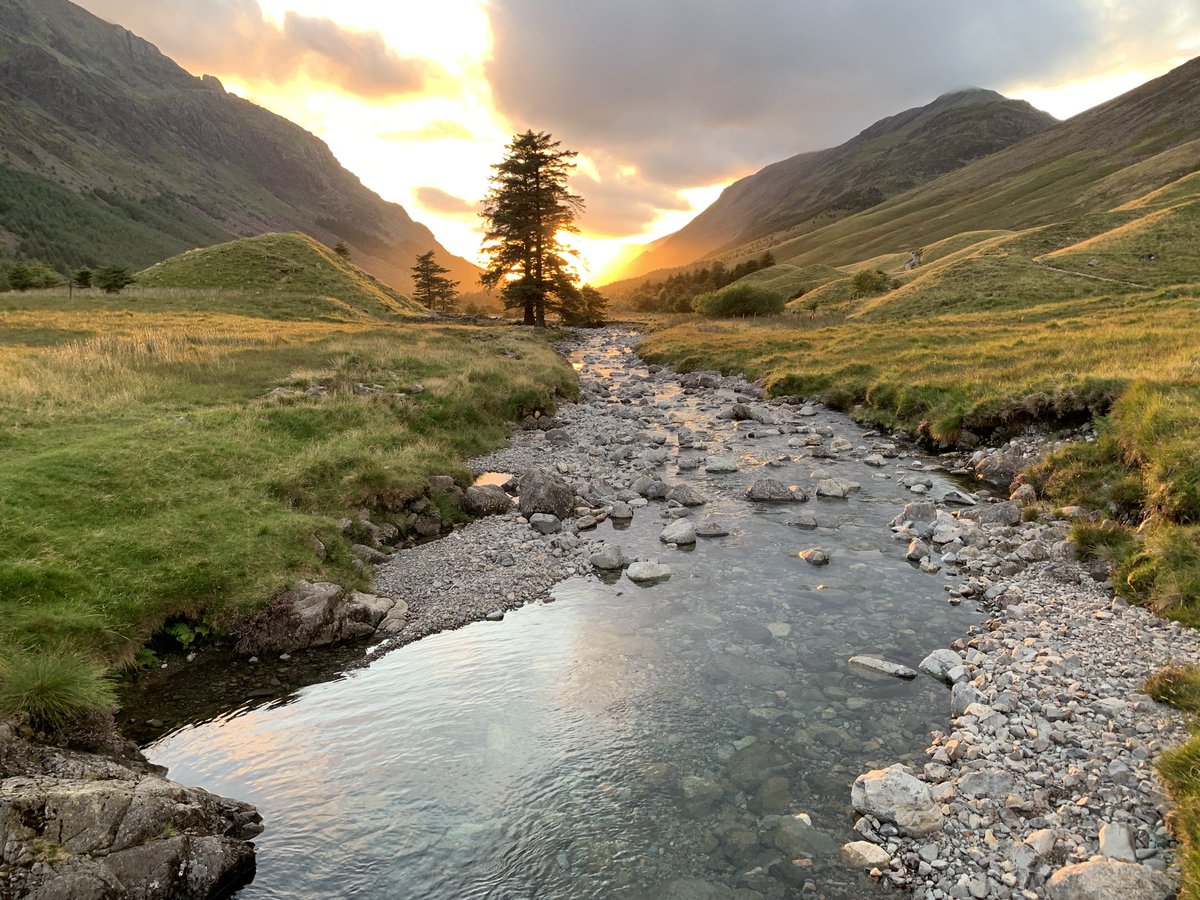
(810, 190)
(148, 471)
(111, 150)
(283, 276)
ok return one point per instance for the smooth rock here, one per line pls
(1109, 879)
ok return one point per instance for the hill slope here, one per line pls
(286, 276)
(101, 128)
(1104, 157)
(892, 156)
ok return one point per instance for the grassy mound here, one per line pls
(279, 276)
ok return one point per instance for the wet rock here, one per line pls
(711, 528)
(836, 487)
(718, 465)
(802, 520)
(544, 492)
(883, 667)
(486, 500)
(621, 510)
(608, 558)
(815, 556)
(771, 490)
(1109, 879)
(648, 572)
(680, 532)
(894, 795)
(686, 495)
(917, 550)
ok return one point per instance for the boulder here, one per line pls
(815, 556)
(772, 490)
(679, 532)
(648, 572)
(711, 528)
(939, 663)
(836, 487)
(894, 795)
(608, 558)
(545, 492)
(1116, 842)
(1109, 879)
(544, 523)
(1006, 513)
(686, 495)
(718, 465)
(486, 500)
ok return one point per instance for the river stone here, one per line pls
(917, 550)
(917, 511)
(836, 487)
(621, 510)
(802, 520)
(1007, 513)
(1116, 842)
(680, 532)
(711, 528)
(939, 663)
(795, 836)
(771, 490)
(648, 572)
(544, 492)
(815, 556)
(865, 855)
(544, 523)
(963, 695)
(686, 495)
(1109, 879)
(719, 465)
(487, 500)
(608, 557)
(883, 667)
(894, 795)
(988, 783)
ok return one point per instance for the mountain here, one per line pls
(110, 152)
(891, 157)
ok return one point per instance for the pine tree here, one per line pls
(82, 278)
(113, 279)
(528, 207)
(431, 287)
(342, 249)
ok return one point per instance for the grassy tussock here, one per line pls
(145, 473)
(1179, 686)
(54, 690)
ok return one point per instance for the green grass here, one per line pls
(54, 689)
(284, 276)
(146, 476)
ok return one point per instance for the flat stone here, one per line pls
(883, 667)
(648, 572)
(864, 855)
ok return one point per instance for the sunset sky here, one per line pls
(666, 100)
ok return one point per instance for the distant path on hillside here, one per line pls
(1093, 277)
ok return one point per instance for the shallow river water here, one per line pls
(622, 741)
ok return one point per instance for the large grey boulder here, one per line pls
(939, 663)
(895, 795)
(1109, 879)
(686, 495)
(545, 492)
(314, 615)
(772, 490)
(1006, 513)
(679, 532)
(487, 500)
(116, 829)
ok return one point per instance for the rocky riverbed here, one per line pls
(747, 636)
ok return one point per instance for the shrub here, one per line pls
(871, 281)
(740, 301)
(54, 689)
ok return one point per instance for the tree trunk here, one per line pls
(529, 320)
(541, 313)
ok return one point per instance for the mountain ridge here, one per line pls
(92, 107)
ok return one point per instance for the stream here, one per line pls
(621, 741)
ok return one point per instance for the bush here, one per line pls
(740, 301)
(872, 281)
(55, 690)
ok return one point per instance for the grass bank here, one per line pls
(147, 474)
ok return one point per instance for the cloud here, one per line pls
(439, 201)
(694, 91)
(440, 130)
(620, 204)
(234, 38)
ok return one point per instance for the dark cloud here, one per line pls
(439, 201)
(691, 91)
(233, 37)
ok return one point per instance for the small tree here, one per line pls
(431, 287)
(527, 209)
(82, 277)
(871, 281)
(342, 249)
(113, 279)
(20, 277)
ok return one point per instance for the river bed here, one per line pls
(621, 740)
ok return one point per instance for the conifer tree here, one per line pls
(527, 209)
(431, 287)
